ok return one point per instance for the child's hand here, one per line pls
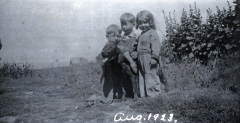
(134, 55)
(153, 61)
(134, 67)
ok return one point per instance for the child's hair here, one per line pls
(127, 17)
(113, 28)
(148, 16)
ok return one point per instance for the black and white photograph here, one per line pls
(119, 61)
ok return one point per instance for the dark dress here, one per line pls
(112, 72)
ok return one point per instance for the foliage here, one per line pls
(16, 70)
(193, 39)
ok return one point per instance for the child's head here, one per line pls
(112, 32)
(127, 22)
(145, 21)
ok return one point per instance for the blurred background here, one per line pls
(48, 33)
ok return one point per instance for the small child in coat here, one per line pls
(112, 70)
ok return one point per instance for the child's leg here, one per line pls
(135, 87)
(107, 83)
(151, 79)
(141, 75)
(133, 81)
(127, 87)
(154, 69)
(117, 81)
(142, 85)
(108, 79)
(151, 86)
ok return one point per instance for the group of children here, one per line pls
(131, 61)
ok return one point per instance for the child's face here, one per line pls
(113, 36)
(143, 24)
(127, 27)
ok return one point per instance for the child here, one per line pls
(112, 71)
(148, 53)
(126, 46)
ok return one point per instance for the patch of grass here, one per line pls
(193, 106)
(224, 73)
(84, 78)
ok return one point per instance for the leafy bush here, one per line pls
(193, 39)
(16, 70)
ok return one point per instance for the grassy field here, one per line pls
(198, 94)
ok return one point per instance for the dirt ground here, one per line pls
(26, 101)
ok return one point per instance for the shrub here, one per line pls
(193, 39)
(16, 70)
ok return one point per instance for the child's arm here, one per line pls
(128, 57)
(126, 54)
(155, 47)
(130, 60)
(122, 49)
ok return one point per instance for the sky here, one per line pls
(43, 31)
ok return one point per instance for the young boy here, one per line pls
(112, 71)
(125, 47)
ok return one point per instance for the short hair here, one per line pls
(127, 17)
(113, 28)
(148, 16)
